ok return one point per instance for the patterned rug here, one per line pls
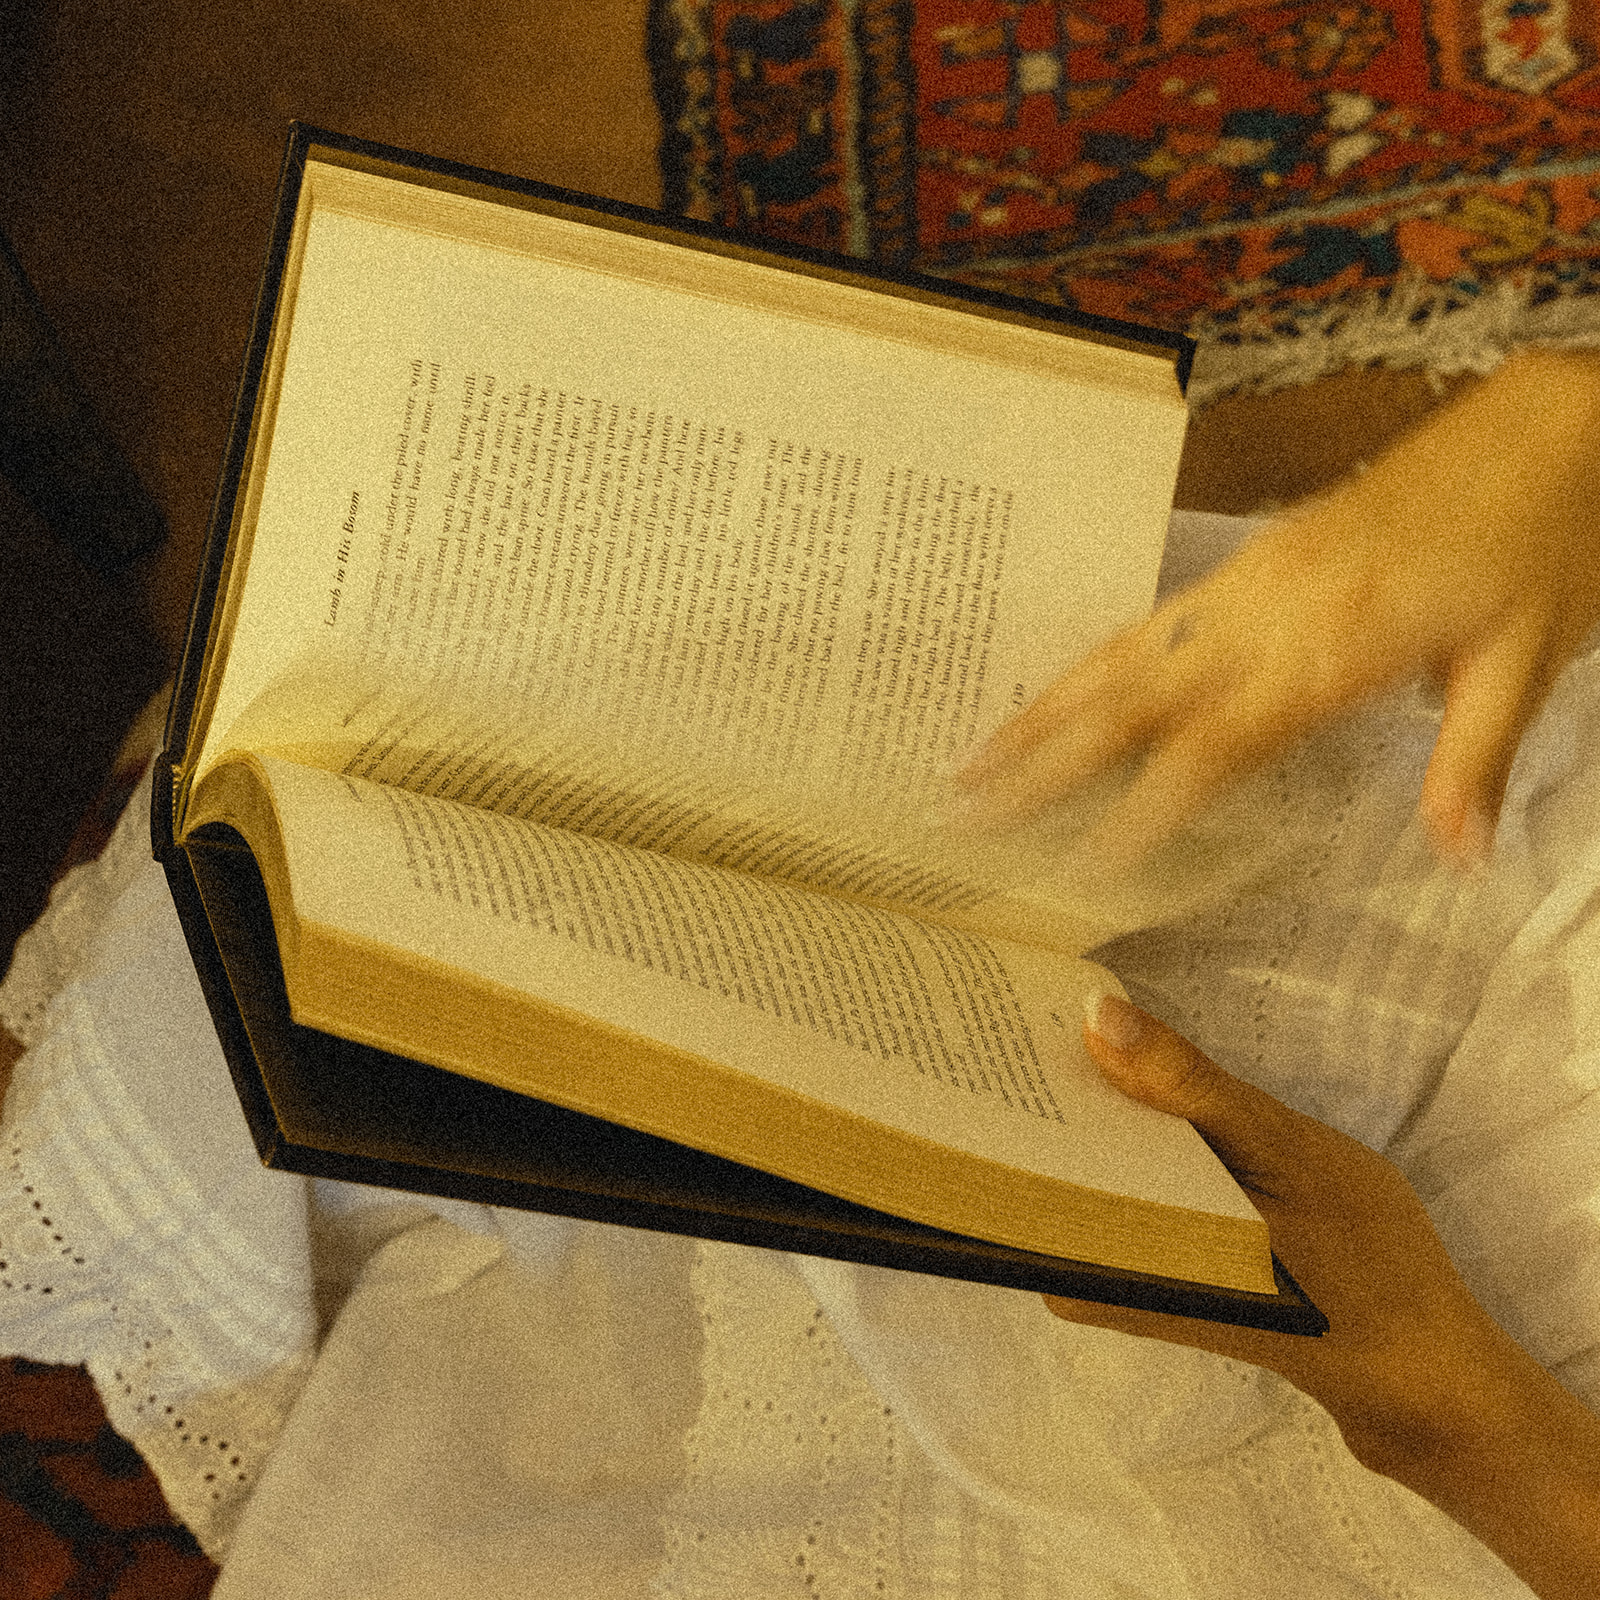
(1298, 185)
(81, 1515)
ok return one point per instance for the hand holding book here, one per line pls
(1425, 1386)
(1466, 553)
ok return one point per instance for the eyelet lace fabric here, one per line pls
(865, 1433)
(796, 1469)
(872, 1434)
(178, 1274)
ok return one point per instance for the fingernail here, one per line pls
(1121, 1025)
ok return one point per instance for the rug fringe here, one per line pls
(1438, 327)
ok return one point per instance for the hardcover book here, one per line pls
(594, 609)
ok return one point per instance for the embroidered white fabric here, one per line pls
(138, 1232)
(344, 1391)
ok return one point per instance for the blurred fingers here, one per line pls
(1214, 741)
(1098, 715)
(1098, 689)
(1492, 694)
(1179, 780)
(1011, 793)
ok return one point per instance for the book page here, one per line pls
(495, 757)
(737, 542)
(963, 1040)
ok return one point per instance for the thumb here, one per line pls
(1492, 693)
(1261, 1141)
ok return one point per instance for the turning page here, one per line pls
(732, 535)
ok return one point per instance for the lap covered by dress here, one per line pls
(352, 1392)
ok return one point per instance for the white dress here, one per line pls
(348, 1392)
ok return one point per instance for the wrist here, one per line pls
(1516, 1462)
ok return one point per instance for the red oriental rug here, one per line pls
(1299, 185)
(81, 1515)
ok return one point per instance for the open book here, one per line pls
(593, 613)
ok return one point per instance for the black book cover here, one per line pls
(327, 1107)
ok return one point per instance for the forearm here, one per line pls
(1522, 1474)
